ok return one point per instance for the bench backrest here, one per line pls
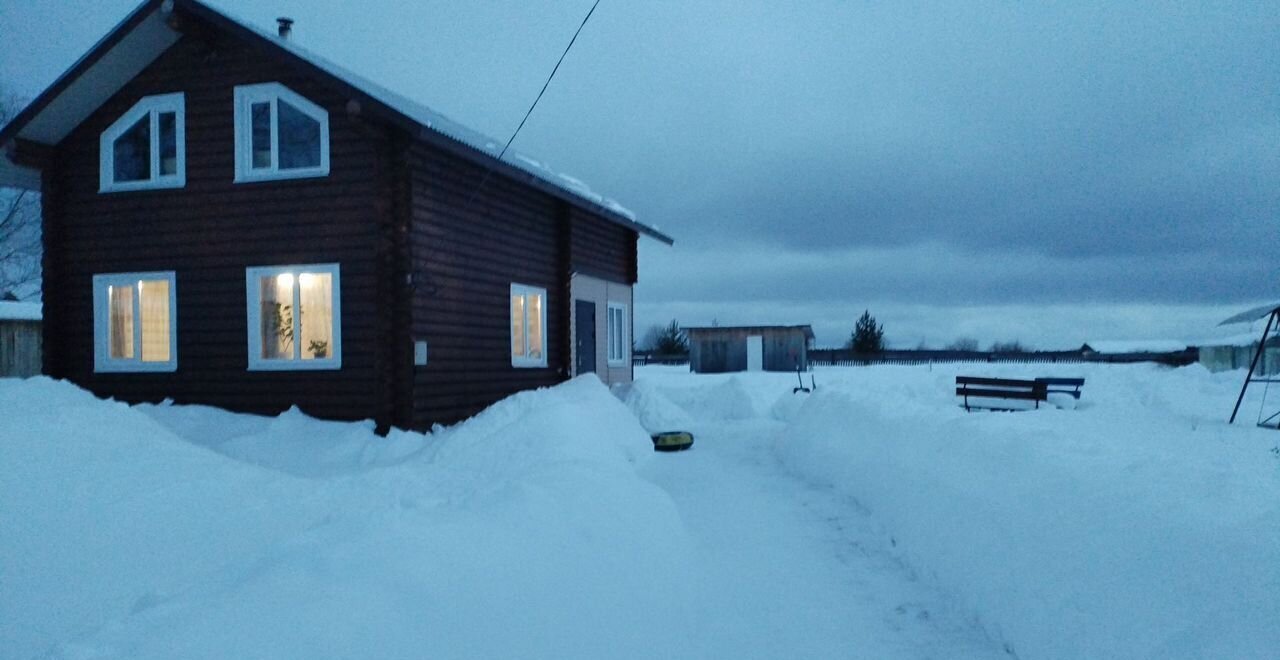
(1076, 382)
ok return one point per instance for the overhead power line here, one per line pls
(489, 170)
(548, 82)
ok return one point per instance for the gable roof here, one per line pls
(155, 26)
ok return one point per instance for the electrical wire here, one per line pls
(548, 82)
(501, 154)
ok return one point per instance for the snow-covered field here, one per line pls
(873, 518)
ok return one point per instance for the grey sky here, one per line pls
(1053, 172)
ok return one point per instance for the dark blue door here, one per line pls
(585, 337)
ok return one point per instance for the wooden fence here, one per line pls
(20, 346)
(840, 357)
(843, 357)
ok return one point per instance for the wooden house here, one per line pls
(19, 339)
(723, 349)
(231, 220)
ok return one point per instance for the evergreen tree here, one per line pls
(868, 336)
(672, 340)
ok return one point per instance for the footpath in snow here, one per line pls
(786, 569)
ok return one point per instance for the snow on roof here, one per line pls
(1253, 314)
(20, 311)
(145, 34)
(443, 125)
(1137, 346)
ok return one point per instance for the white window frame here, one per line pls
(151, 106)
(245, 97)
(617, 360)
(524, 361)
(253, 312)
(102, 360)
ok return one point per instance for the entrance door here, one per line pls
(584, 331)
(755, 353)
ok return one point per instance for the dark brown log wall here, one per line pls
(209, 231)
(472, 237)
(469, 244)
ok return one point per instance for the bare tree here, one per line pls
(20, 243)
(963, 344)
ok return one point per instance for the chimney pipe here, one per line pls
(285, 26)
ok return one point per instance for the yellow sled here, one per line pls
(672, 441)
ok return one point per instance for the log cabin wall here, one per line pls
(211, 229)
(472, 237)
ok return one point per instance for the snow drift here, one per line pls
(524, 532)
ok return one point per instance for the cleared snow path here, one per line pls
(794, 570)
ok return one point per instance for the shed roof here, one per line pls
(156, 25)
(806, 329)
(20, 311)
(1254, 314)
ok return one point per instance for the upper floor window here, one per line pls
(295, 317)
(279, 134)
(146, 147)
(528, 326)
(617, 335)
(134, 326)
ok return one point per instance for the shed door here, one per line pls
(755, 353)
(584, 332)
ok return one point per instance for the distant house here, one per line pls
(749, 348)
(19, 339)
(232, 220)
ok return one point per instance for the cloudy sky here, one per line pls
(1049, 172)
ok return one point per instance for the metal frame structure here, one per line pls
(1273, 321)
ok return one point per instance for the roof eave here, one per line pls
(95, 54)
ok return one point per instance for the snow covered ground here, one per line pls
(871, 519)
(1138, 525)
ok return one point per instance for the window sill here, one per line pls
(135, 367)
(529, 364)
(281, 175)
(132, 186)
(296, 365)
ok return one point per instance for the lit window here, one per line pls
(279, 134)
(295, 317)
(528, 326)
(146, 147)
(617, 335)
(134, 322)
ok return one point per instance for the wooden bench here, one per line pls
(1063, 385)
(1000, 389)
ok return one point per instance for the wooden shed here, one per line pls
(232, 220)
(19, 339)
(724, 349)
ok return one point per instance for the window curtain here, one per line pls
(517, 325)
(534, 303)
(120, 327)
(154, 309)
(315, 294)
(276, 318)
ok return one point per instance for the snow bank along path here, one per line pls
(1138, 526)
(188, 532)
